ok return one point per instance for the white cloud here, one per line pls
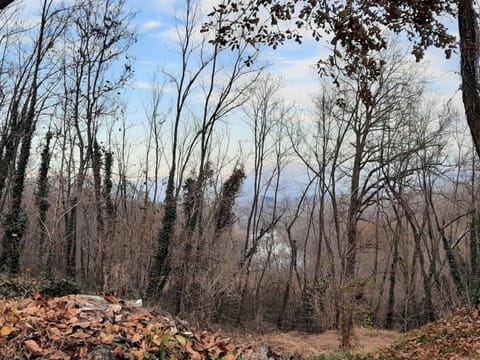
(142, 85)
(150, 25)
(296, 64)
(169, 34)
(444, 78)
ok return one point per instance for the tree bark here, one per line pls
(393, 272)
(5, 3)
(469, 54)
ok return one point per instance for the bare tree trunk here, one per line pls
(288, 285)
(293, 252)
(389, 320)
(474, 237)
(5, 3)
(469, 55)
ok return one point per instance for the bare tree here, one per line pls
(265, 113)
(98, 35)
(27, 107)
(224, 85)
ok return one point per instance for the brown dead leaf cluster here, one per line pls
(457, 337)
(82, 326)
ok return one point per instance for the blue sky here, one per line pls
(295, 63)
(155, 50)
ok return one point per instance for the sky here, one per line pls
(155, 51)
(155, 23)
(294, 62)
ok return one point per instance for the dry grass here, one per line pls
(308, 345)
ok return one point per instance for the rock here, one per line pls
(263, 352)
(102, 352)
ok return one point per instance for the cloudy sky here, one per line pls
(295, 63)
(155, 50)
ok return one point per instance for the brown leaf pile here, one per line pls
(457, 337)
(85, 327)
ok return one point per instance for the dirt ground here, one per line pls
(366, 340)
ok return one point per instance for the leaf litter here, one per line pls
(104, 327)
(84, 326)
(456, 337)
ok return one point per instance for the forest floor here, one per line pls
(367, 340)
(37, 326)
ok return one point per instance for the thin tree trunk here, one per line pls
(393, 271)
(288, 285)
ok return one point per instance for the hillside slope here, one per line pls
(102, 327)
(457, 337)
(105, 327)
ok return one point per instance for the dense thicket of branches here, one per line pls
(357, 31)
(361, 209)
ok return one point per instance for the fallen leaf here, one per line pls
(112, 299)
(107, 338)
(33, 348)
(119, 351)
(80, 335)
(54, 333)
(231, 347)
(36, 295)
(11, 316)
(31, 310)
(57, 355)
(73, 312)
(114, 308)
(136, 338)
(194, 355)
(67, 327)
(83, 352)
(6, 330)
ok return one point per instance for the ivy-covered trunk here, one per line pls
(474, 278)
(15, 221)
(41, 197)
(161, 266)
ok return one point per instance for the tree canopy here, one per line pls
(356, 31)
